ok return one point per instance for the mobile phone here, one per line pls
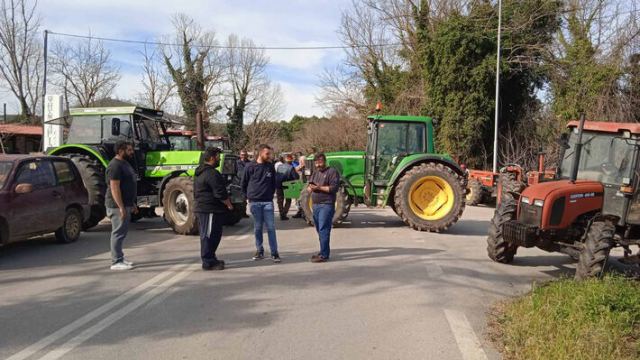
(312, 183)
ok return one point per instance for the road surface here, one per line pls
(388, 293)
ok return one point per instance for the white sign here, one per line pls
(52, 110)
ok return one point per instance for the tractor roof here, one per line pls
(154, 114)
(400, 118)
(608, 127)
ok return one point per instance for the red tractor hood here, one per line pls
(563, 201)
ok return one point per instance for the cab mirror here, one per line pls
(115, 127)
(24, 188)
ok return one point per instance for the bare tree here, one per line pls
(247, 80)
(269, 106)
(21, 53)
(84, 71)
(158, 84)
(195, 66)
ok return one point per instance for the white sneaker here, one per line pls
(121, 266)
(127, 262)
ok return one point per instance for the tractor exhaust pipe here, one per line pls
(578, 151)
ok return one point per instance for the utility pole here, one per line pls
(495, 130)
(44, 75)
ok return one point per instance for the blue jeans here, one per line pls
(323, 219)
(262, 212)
(119, 230)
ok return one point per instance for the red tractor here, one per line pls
(483, 185)
(590, 207)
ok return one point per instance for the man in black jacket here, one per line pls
(259, 185)
(211, 208)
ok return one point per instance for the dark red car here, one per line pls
(40, 195)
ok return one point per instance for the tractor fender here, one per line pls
(164, 182)
(93, 152)
(351, 189)
(411, 161)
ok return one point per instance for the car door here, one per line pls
(41, 210)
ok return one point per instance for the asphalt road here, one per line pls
(388, 293)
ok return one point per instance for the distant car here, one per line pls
(41, 195)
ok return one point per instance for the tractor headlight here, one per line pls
(538, 203)
(525, 200)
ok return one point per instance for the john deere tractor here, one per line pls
(164, 176)
(399, 169)
(590, 207)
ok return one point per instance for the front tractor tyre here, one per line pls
(498, 249)
(475, 194)
(93, 177)
(178, 204)
(430, 197)
(343, 206)
(595, 250)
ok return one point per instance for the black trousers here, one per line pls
(283, 204)
(210, 226)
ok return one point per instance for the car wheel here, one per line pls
(70, 230)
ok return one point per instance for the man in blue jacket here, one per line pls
(259, 186)
(211, 207)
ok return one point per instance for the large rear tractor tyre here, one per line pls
(236, 215)
(595, 250)
(430, 197)
(93, 177)
(343, 206)
(475, 195)
(498, 249)
(178, 202)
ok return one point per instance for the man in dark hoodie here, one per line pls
(211, 207)
(259, 185)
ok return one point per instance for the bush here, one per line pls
(565, 319)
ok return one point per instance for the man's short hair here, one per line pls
(264, 146)
(244, 151)
(319, 156)
(121, 145)
(210, 152)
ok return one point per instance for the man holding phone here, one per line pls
(323, 185)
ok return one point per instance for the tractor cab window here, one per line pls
(179, 142)
(149, 132)
(126, 130)
(84, 130)
(606, 158)
(395, 140)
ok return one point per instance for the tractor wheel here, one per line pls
(595, 250)
(179, 202)
(343, 206)
(236, 215)
(92, 174)
(430, 197)
(476, 193)
(497, 248)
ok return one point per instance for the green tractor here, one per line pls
(165, 177)
(399, 169)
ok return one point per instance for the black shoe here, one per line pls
(283, 218)
(259, 255)
(215, 266)
(297, 216)
(276, 258)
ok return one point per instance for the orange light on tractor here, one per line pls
(626, 190)
(378, 106)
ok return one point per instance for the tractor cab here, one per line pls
(390, 140)
(180, 139)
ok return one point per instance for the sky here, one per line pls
(267, 22)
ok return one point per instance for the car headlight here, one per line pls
(538, 203)
(525, 200)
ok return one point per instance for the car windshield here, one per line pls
(5, 168)
(606, 158)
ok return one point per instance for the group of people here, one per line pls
(261, 179)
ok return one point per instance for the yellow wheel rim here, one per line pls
(431, 198)
(470, 194)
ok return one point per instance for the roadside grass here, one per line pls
(567, 319)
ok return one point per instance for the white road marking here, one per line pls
(434, 270)
(66, 330)
(466, 338)
(111, 319)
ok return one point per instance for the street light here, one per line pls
(495, 130)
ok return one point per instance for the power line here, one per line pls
(159, 43)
